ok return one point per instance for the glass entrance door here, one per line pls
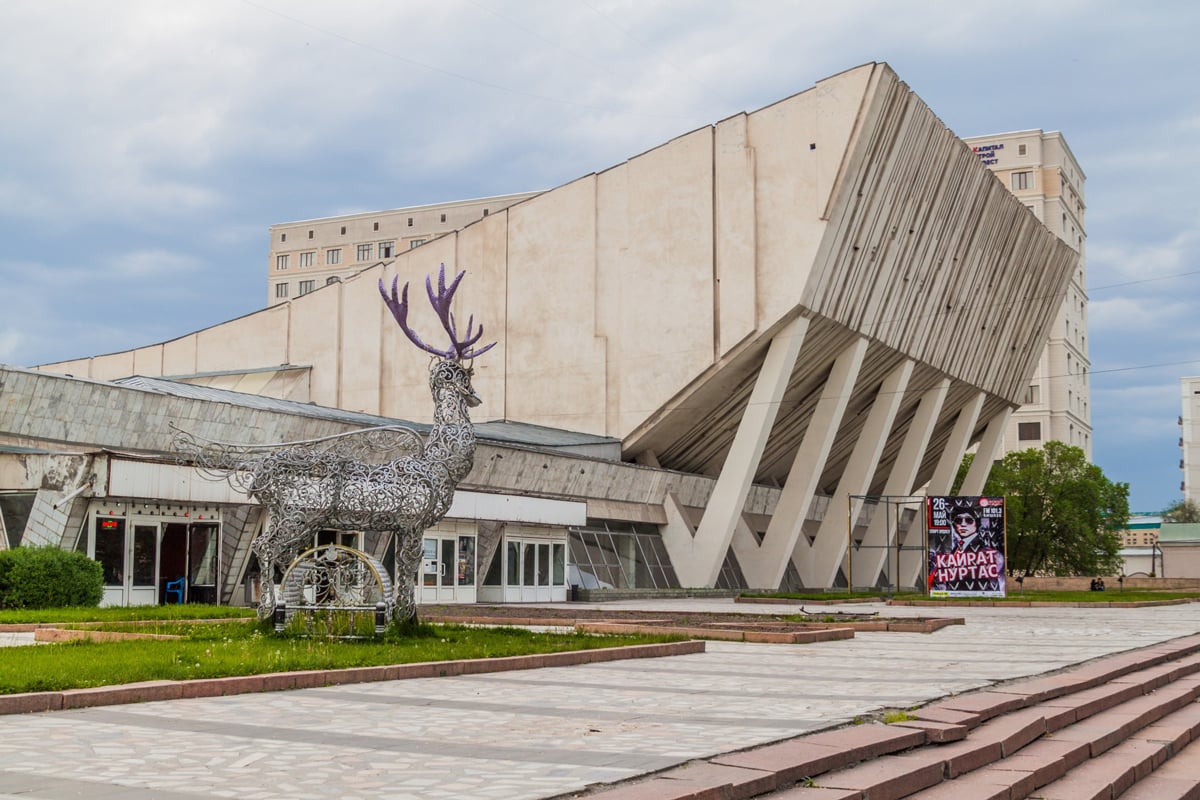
(447, 570)
(535, 571)
(129, 560)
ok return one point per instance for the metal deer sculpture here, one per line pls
(379, 479)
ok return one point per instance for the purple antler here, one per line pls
(459, 349)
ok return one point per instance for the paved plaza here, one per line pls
(546, 732)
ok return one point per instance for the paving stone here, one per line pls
(29, 702)
(870, 741)
(887, 778)
(937, 713)
(1090, 702)
(1157, 787)
(936, 732)
(986, 704)
(979, 785)
(1037, 767)
(792, 761)
(127, 693)
(662, 789)
(740, 782)
(1098, 736)
(1184, 766)
(967, 755)
(1070, 754)
(817, 793)
(1013, 731)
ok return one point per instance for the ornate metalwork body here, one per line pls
(379, 479)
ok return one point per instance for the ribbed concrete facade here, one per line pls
(829, 295)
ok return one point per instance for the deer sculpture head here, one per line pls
(453, 371)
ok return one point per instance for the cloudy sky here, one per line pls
(146, 146)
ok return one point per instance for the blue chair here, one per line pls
(175, 589)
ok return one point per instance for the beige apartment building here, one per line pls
(1040, 170)
(1189, 439)
(309, 254)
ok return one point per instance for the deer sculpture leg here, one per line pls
(276, 547)
(408, 557)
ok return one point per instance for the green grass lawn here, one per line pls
(9, 616)
(244, 647)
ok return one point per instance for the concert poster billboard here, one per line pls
(966, 546)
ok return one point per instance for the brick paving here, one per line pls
(551, 731)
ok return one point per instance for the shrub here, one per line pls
(49, 577)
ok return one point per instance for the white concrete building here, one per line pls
(795, 307)
(1189, 439)
(1040, 170)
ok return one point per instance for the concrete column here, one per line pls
(913, 559)
(766, 568)
(700, 563)
(989, 448)
(873, 556)
(946, 470)
(820, 568)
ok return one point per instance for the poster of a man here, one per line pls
(966, 546)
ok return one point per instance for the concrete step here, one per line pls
(1100, 756)
(1106, 726)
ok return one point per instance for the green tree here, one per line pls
(1182, 511)
(1063, 515)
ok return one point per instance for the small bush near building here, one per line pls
(48, 577)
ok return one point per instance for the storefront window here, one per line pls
(466, 561)
(543, 565)
(513, 573)
(110, 549)
(560, 564)
(529, 573)
(145, 545)
(202, 556)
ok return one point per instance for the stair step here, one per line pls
(1108, 775)
(1178, 779)
(1083, 760)
(1129, 723)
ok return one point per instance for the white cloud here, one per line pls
(1164, 313)
(150, 144)
(10, 343)
(1140, 259)
(142, 264)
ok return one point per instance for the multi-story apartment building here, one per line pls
(1040, 170)
(309, 254)
(1189, 439)
(1141, 531)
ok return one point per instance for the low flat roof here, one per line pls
(498, 431)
